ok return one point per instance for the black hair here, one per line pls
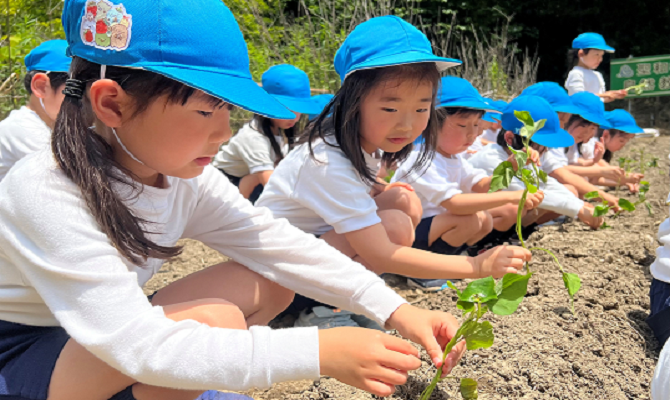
(579, 121)
(517, 142)
(88, 160)
(56, 80)
(264, 126)
(443, 112)
(344, 124)
(613, 132)
(573, 57)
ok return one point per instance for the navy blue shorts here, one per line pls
(236, 181)
(28, 355)
(439, 246)
(659, 319)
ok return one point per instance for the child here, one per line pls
(558, 199)
(28, 129)
(252, 154)
(327, 186)
(585, 57)
(659, 318)
(491, 122)
(105, 207)
(556, 161)
(598, 151)
(454, 195)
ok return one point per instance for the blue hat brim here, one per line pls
(490, 117)
(471, 104)
(240, 91)
(569, 109)
(602, 47)
(409, 57)
(560, 138)
(633, 130)
(593, 118)
(61, 67)
(298, 104)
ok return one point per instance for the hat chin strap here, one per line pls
(125, 148)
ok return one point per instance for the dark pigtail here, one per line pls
(265, 126)
(88, 160)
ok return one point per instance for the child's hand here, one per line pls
(635, 177)
(367, 359)
(612, 201)
(399, 184)
(501, 260)
(633, 187)
(615, 174)
(599, 151)
(586, 216)
(534, 157)
(431, 329)
(533, 200)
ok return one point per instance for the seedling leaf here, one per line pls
(649, 209)
(502, 176)
(626, 205)
(520, 157)
(466, 306)
(480, 336)
(482, 289)
(592, 195)
(600, 210)
(469, 389)
(572, 283)
(524, 117)
(605, 226)
(542, 175)
(451, 286)
(511, 290)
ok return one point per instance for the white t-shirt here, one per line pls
(318, 195)
(557, 198)
(441, 180)
(248, 152)
(57, 268)
(572, 155)
(585, 80)
(554, 159)
(473, 149)
(23, 132)
(490, 135)
(589, 148)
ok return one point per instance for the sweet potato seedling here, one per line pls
(478, 298)
(637, 89)
(505, 172)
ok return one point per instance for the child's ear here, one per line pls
(606, 134)
(110, 103)
(509, 137)
(40, 85)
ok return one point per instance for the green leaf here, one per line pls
(466, 306)
(649, 209)
(572, 283)
(542, 175)
(480, 336)
(600, 210)
(531, 188)
(482, 289)
(605, 226)
(524, 117)
(626, 205)
(592, 195)
(537, 126)
(502, 176)
(468, 389)
(644, 187)
(451, 286)
(511, 290)
(520, 157)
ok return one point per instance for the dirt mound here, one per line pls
(542, 351)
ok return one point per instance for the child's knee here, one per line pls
(399, 227)
(407, 202)
(217, 313)
(485, 222)
(507, 217)
(278, 297)
(572, 189)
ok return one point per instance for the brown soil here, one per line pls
(542, 351)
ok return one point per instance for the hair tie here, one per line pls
(74, 88)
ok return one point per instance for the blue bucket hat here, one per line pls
(622, 120)
(458, 92)
(383, 42)
(49, 56)
(554, 94)
(551, 135)
(499, 105)
(161, 36)
(322, 101)
(590, 106)
(290, 86)
(591, 40)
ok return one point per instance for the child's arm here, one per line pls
(470, 203)
(597, 171)
(566, 177)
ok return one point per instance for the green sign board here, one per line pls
(654, 71)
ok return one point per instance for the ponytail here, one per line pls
(88, 160)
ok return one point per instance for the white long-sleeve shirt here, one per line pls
(23, 132)
(57, 268)
(556, 197)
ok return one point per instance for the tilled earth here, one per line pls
(541, 352)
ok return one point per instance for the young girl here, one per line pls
(105, 207)
(327, 185)
(598, 151)
(585, 57)
(458, 211)
(28, 129)
(252, 154)
(556, 162)
(559, 199)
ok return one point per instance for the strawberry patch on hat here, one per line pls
(106, 26)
